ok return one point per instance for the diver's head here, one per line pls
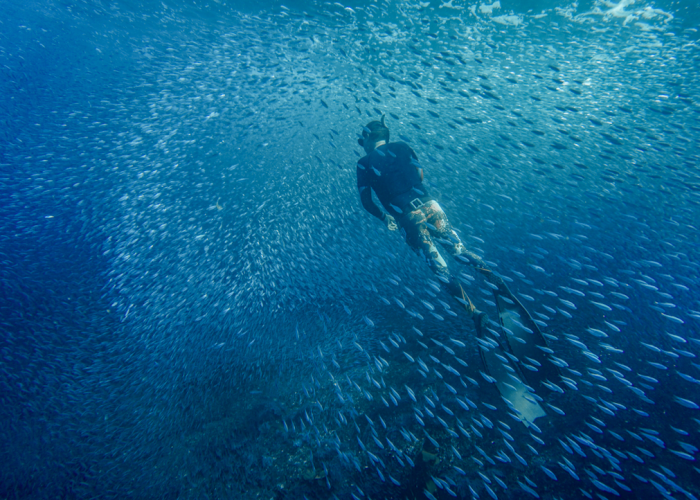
(372, 133)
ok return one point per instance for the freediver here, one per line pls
(391, 170)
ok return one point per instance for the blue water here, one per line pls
(195, 304)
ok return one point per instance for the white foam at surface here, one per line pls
(511, 20)
(488, 9)
(608, 10)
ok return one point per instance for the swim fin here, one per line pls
(507, 378)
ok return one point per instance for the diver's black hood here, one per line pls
(374, 131)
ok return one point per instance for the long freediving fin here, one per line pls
(521, 355)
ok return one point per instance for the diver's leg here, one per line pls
(443, 230)
(415, 230)
(449, 238)
(438, 225)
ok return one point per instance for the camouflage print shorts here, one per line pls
(426, 224)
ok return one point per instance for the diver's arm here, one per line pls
(368, 203)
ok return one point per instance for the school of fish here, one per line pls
(195, 304)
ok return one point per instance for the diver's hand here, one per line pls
(390, 223)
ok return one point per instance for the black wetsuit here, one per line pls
(391, 170)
